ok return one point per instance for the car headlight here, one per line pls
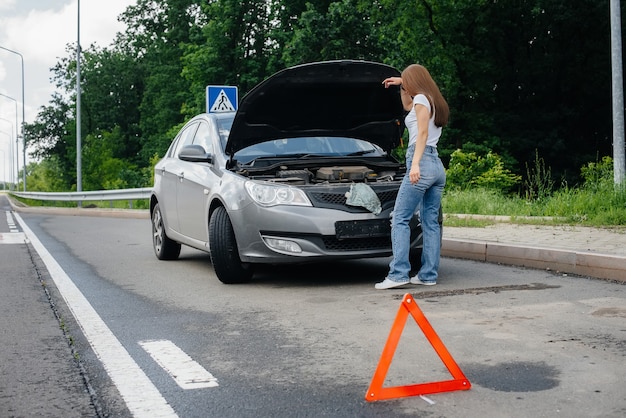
(267, 194)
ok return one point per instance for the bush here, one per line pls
(598, 175)
(468, 170)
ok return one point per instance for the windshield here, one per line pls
(309, 146)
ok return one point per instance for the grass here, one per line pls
(600, 206)
(468, 222)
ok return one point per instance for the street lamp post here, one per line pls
(23, 112)
(4, 183)
(11, 176)
(4, 164)
(17, 145)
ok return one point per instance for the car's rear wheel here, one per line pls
(164, 247)
(224, 252)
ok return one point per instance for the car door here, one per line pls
(171, 172)
(195, 186)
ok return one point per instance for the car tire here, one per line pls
(224, 252)
(164, 247)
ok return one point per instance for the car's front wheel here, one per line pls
(224, 252)
(164, 247)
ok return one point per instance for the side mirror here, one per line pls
(195, 154)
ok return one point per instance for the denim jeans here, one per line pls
(425, 195)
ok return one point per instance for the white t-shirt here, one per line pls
(434, 132)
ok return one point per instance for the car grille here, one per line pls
(356, 244)
(337, 199)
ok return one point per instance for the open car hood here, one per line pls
(330, 98)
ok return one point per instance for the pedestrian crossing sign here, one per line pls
(221, 99)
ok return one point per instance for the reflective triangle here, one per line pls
(377, 392)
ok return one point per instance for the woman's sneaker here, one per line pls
(416, 280)
(389, 284)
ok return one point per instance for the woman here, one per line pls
(424, 180)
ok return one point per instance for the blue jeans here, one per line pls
(425, 195)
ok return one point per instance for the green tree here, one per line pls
(44, 176)
(233, 49)
(102, 170)
(111, 94)
(552, 91)
(52, 136)
(156, 30)
(109, 99)
(286, 14)
(343, 31)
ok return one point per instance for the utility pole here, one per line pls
(619, 161)
(79, 177)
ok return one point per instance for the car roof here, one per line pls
(330, 98)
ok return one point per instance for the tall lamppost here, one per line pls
(11, 176)
(23, 113)
(4, 183)
(4, 164)
(17, 145)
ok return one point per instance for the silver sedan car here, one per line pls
(301, 172)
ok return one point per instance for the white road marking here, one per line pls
(183, 369)
(12, 227)
(12, 238)
(142, 398)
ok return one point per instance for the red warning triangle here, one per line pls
(377, 392)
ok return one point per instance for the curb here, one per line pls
(602, 266)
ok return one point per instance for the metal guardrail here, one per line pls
(122, 194)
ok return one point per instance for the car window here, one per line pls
(223, 129)
(170, 150)
(203, 137)
(186, 138)
(323, 146)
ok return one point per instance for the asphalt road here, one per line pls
(300, 341)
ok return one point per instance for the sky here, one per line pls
(40, 30)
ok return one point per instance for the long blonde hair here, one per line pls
(417, 80)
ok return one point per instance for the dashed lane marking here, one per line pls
(12, 227)
(183, 369)
(12, 238)
(142, 398)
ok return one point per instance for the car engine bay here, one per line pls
(325, 174)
